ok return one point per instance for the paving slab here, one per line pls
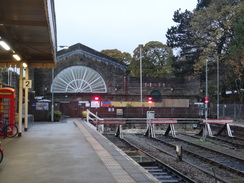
(66, 152)
(50, 153)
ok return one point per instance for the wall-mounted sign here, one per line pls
(27, 83)
(42, 106)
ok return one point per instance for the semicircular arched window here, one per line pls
(78, 79)
(156, 95)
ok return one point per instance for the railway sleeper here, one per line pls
(161, 174)
(170, 181)
(157, 171)
(163, 177)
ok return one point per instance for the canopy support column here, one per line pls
(20, 100)
(26, 100)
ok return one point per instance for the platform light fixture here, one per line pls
(8, 48)
(16, 57)
(25, 65)
(5, 45)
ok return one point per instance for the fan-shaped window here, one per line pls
(78, 79)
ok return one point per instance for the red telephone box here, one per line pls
(7, 105)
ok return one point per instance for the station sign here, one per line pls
(27, 83)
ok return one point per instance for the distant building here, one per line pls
(82, 73)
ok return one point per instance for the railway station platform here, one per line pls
(68, 151)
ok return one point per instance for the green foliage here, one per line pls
(237, 46)
(118, 55)
(235, 64)
(203, 4)
(180, 37)
(57, 113)
(214, 29)
(129, 105)
(218, 30)
(157, 59)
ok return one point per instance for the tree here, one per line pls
(218, 31)
(118, 55)
(202, 4)
(213, 29)
(236, 54)
(157, 59)
(180, 37)
(236, 48)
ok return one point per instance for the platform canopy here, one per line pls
(28, 27)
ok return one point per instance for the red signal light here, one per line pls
(97, 99)
(149, 100)
(206, 101)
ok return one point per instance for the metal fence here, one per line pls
(140, 112)
(233, 111)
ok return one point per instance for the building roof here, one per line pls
(87, 51)
(29, 28)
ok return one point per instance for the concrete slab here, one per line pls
(67, 152)
(50, 153)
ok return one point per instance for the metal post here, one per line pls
(52, 108)
(140, 46)
(217, 87)
(206, 104)
(179, 152)
(20, 100)
(206, 94)
(26, 100)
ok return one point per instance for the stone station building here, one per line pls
(83, 73)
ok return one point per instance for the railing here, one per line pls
(100, 127)
(140, 112)
(89, 113)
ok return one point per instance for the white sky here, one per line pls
(115, 24)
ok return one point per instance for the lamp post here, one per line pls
(206, 103)
(206, 94)
(52, 107)
(140, 46)
(217, 87)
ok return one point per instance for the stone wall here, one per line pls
(120, 87)
(112, 75)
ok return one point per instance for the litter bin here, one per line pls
(83, 115)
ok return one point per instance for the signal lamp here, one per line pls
(206, 101)
(149, 100)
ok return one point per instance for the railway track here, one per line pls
(236, 142)
(218, 166)
(164, 173)
(231, 143)
(218, 158)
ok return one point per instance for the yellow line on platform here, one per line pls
(119, 174)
